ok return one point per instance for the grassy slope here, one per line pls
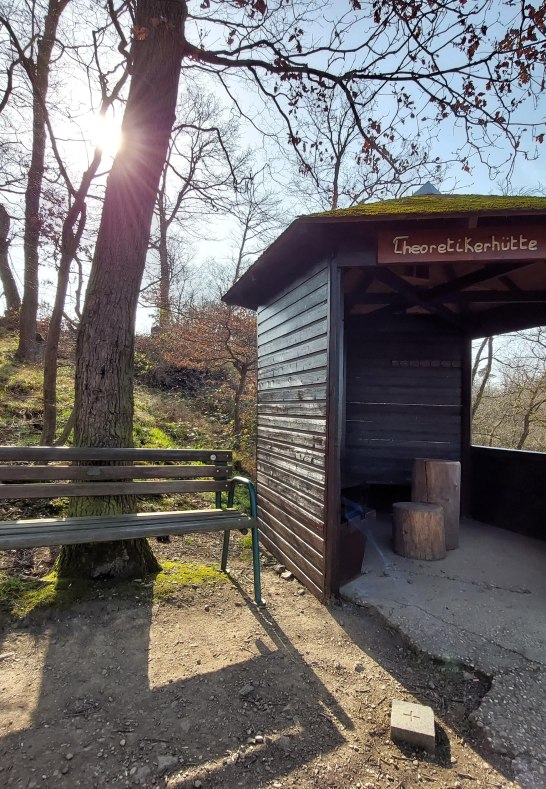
(162, 419)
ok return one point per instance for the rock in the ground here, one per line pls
(184, 725)
(279, 568)
(165, 762)
(141, 773)
(284, 743)
(246, 690)
(287, 575)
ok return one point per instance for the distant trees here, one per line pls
(509, 387)
(202, 170)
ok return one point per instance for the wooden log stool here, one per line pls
(439, 482)
(418, 530)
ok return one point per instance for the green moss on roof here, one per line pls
(440, 204)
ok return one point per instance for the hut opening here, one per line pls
(366, 318)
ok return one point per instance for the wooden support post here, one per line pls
(418, 530)
(439, 482)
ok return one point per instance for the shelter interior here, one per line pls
(407, 337)
(365, 328)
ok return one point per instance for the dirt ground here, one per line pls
(205, 690)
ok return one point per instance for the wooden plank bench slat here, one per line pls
(34, 534)
(199, 516)
(41, 473)
(42, 481)
(108, 454)
(52, 490)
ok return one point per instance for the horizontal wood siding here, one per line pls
(403, 394)
(292, 387)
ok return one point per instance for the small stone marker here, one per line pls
(413, 723)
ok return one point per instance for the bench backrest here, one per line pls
(125, 471)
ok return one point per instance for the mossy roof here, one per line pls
(436, 204)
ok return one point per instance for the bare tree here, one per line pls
(11, 293)
(35, 58)
(335, 169)
(481, 373)
(104, 357)
(198, 179)
(70, 238)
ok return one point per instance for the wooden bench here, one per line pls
(26, 473)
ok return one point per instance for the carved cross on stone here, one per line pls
(413, 723)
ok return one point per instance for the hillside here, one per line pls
(162, 418)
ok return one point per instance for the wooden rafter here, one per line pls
(413, 296)
(466, 297)
(491, 271)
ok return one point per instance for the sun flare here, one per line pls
(106, 135)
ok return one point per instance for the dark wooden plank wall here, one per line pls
(403, 390)
(292, 387)
(508, 489)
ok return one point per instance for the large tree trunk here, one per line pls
(11, 294)
(104, 356)
(39, 77)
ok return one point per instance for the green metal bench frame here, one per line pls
(112, 472)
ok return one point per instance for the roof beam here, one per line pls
(413, 296)
(475, 278)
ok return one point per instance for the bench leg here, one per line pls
(225, 548)
(256, 567)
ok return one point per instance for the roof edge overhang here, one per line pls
(251, 289)
(262, 277)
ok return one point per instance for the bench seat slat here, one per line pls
(204, 516)
(39, 533)
(92, 473)
(53, 490)
(113, 453)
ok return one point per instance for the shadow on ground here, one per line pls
(208, 690)
(108, 699)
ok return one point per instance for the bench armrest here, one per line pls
(251, 489)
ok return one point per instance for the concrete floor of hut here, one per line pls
(481, 605)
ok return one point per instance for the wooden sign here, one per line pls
(447, 246)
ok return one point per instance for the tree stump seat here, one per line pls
(418, 530)
(93, 473)
(439, 482)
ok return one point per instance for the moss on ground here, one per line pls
(179, 574)
(439, 204)
(246, 547)
(20, 597)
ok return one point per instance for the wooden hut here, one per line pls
(365, 321)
